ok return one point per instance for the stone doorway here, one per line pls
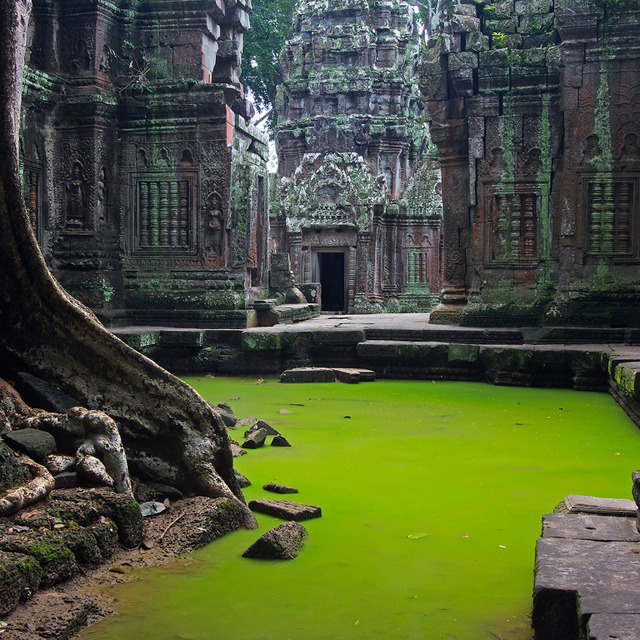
(330, 273)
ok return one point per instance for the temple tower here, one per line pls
(359, 208)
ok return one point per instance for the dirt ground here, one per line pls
(60, 613)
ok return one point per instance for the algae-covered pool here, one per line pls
(431, 495)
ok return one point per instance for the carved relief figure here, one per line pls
(101, 192)
(76, 199)
(213, 228)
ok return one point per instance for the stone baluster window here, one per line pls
(417, 267)
(513, 226)
(610, 207)
(164, 213)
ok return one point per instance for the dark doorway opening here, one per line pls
(332, 280)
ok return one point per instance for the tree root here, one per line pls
(38, 488)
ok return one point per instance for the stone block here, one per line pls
(529, 7)
(35, 443)
(534, 24)
(255, 439)
(590, 527)
(308, 374)
(621, 626)
(279, 488)
(597, 506)
(463, 60)
(463, 354)
(500, 9)
(477, 41)
(281, 543)
(261, 341)
(286, 509)
(491, 60)
(500, 26)
(39, 393)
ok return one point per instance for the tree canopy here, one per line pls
(271, 27)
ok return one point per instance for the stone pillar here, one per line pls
(451, 143)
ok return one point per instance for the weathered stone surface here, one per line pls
(279, 488)
(281, 543)
(280, 441)
(265, 426)
(93, 471)
(308, 374)
(66, 480)
(604, 575)
(242, 480)
(605, 626)
(601, 506)
(255, 439)
(35, 443)
(20, 576)
(351, 376)
(590, 527)
(285, 509)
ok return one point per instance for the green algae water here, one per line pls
(432, 495)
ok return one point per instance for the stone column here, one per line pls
(451, 140)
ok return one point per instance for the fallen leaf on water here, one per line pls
(234, 398)
(259, 381)
(451, 635)
(415, 536)
(209, 375)
(347, 416)
(285, 411)
(295, 404)
(497, 635)
(502, 546)
(616, 454)
(465, 537)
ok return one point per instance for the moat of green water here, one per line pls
(432, 495)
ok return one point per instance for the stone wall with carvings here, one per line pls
(354, 162)
(133, 125)
(534, 106)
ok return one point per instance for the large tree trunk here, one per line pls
(170, 433)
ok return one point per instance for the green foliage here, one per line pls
(271, 27)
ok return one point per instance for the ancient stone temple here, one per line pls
(359, 208)
(534, 109)
(146, 185)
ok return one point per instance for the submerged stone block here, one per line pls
(281, 543)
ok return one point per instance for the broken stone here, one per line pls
(237, 450)
(265, 426)
(353, 376)
(280, 441)
(35, 443)
(243, 481)
(148, 509)
(285, 509)
(282, 543)
(93, 471)
(599, 506)
(66, 480)
(279, 488)
(255, 439)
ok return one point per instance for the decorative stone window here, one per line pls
(417, 267)
(164, 212)
(610, 209)
(513, 213)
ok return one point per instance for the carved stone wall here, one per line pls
(358, 193)
(132, 124)
(534, 110)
